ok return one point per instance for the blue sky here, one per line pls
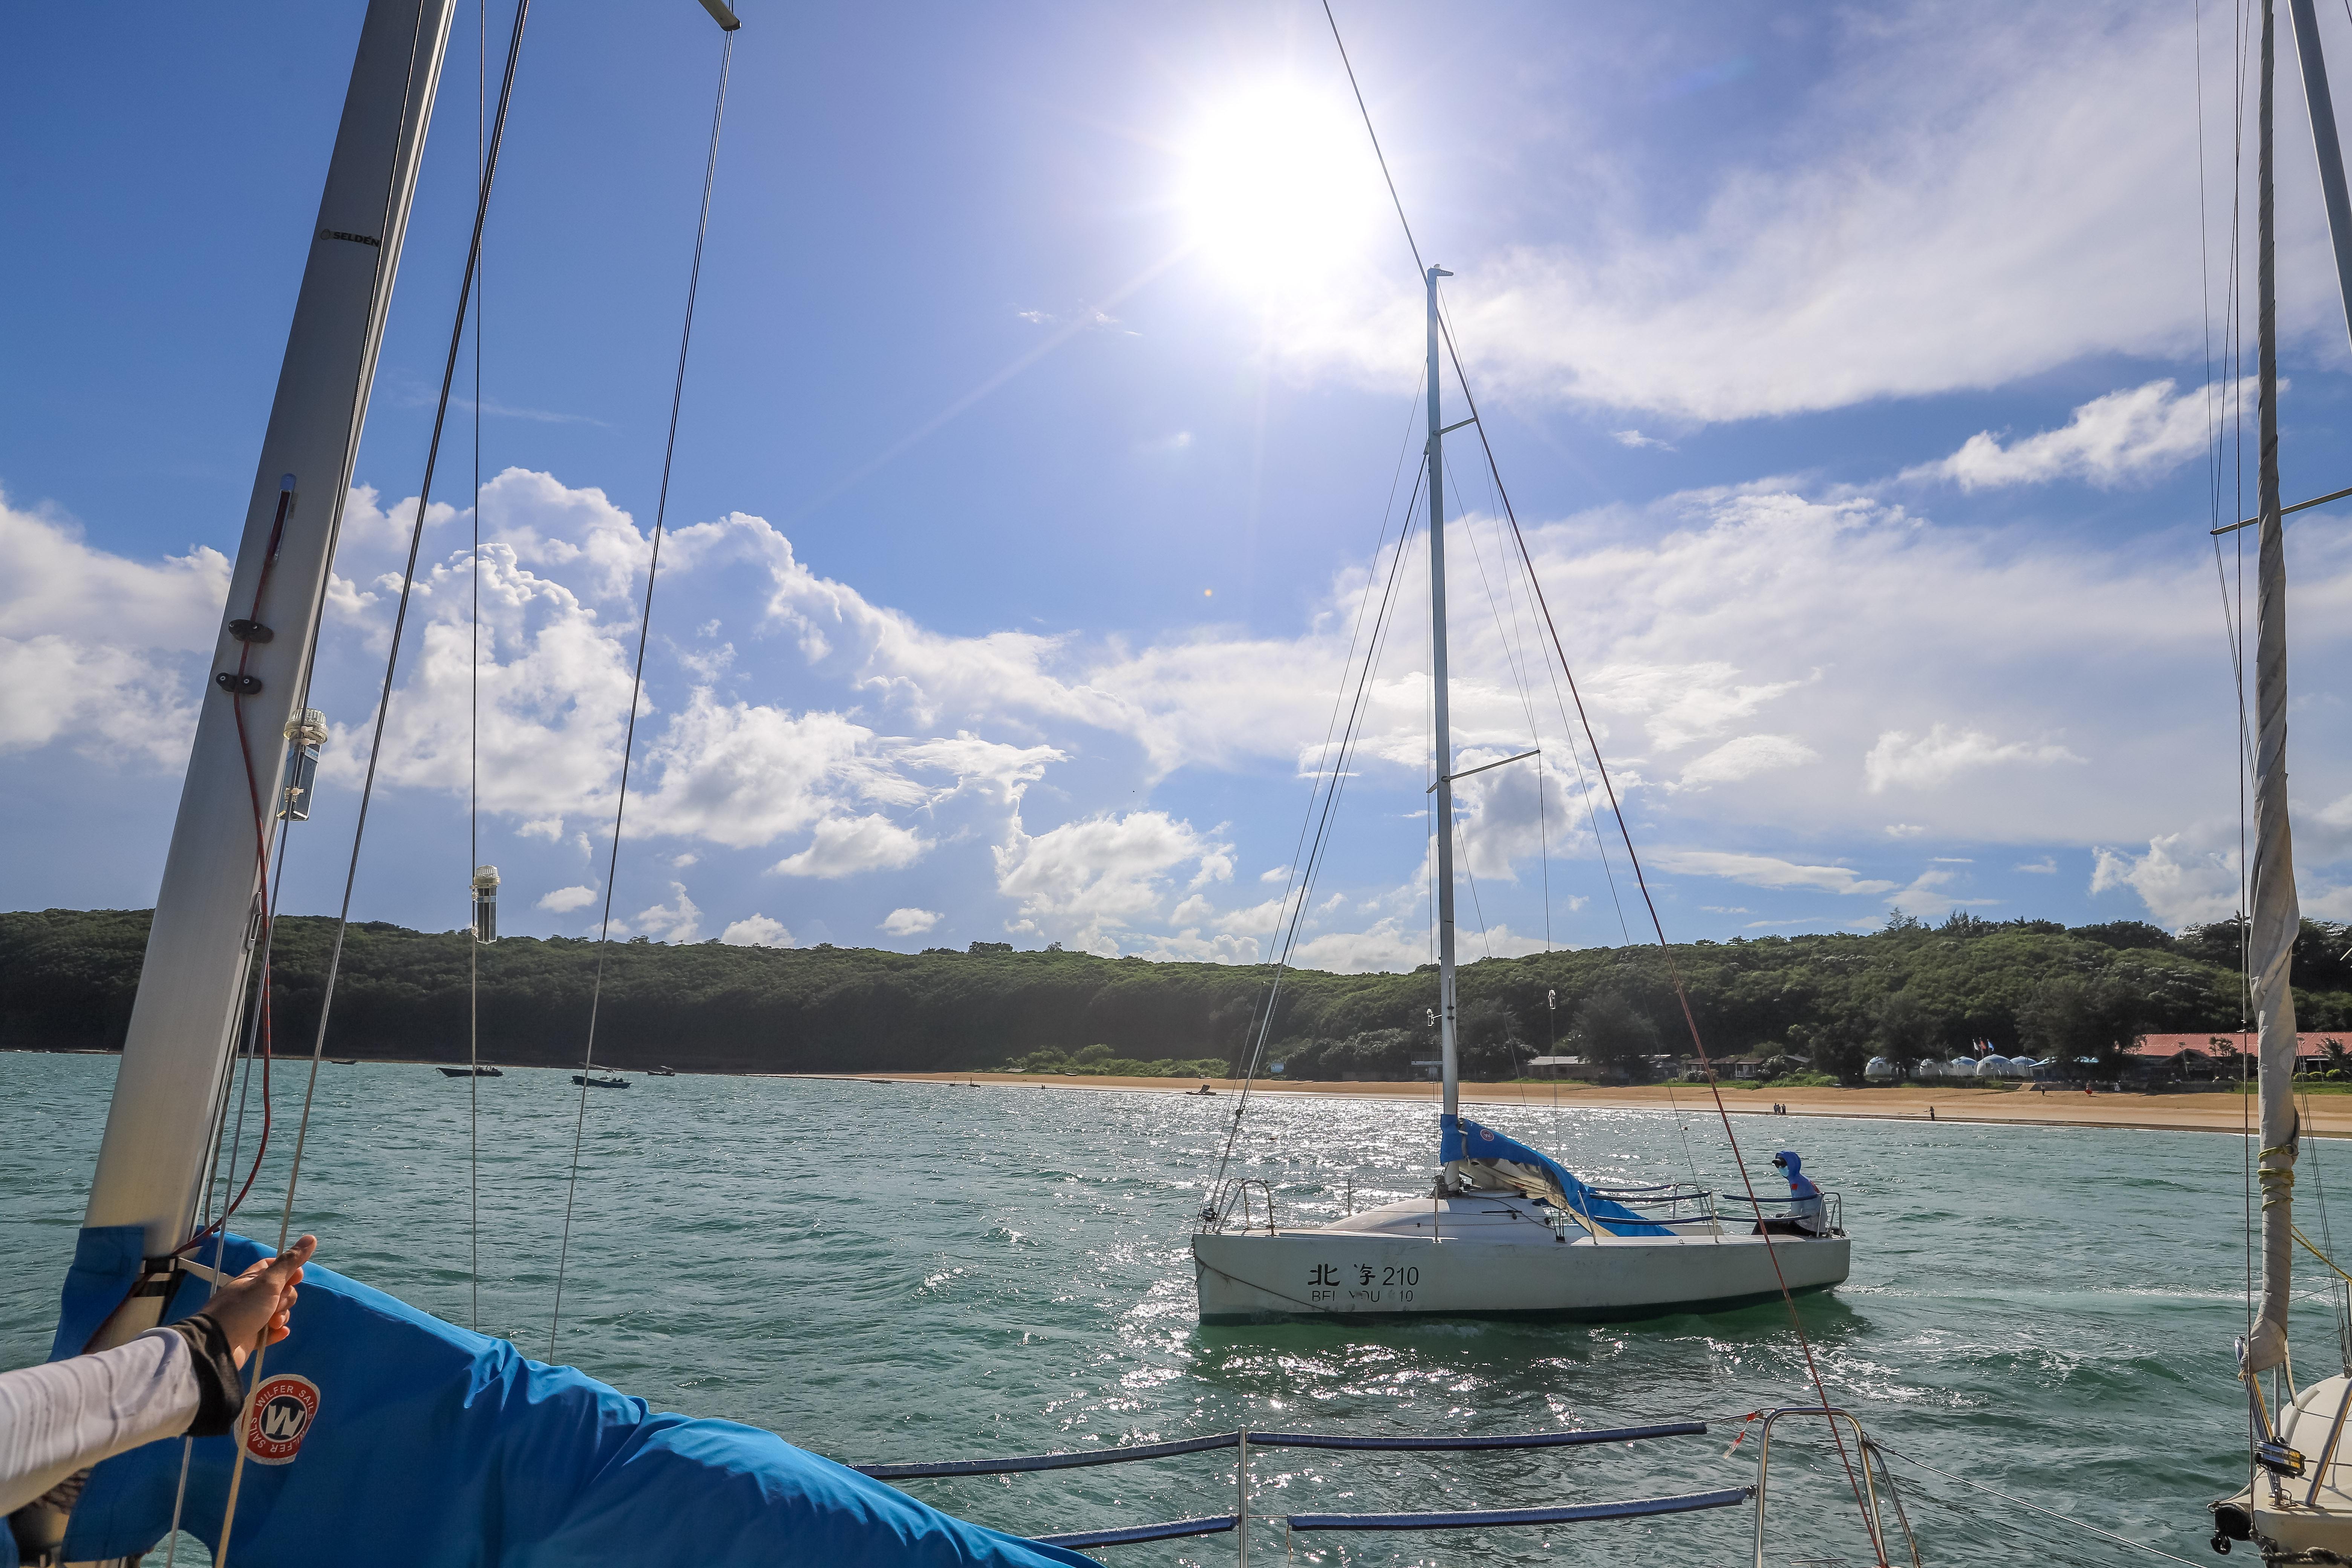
(1849, 370)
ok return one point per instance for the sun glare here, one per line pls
(1279, 188)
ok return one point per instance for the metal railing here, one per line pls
(1867, 1450)
(1239, 1520)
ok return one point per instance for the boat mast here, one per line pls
(192, 987)
(2276, 920)
(1443, 723)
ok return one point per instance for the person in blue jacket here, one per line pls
(1803, 1215)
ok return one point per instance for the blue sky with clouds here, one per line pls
(1849, 368)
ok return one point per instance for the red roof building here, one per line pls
(2165, 1047)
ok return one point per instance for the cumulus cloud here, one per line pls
(1767, 871)
(678, 920)
(1088, 880)
(98, 649)
(909, 921)
(845, 846)
(2143, 433)
(756, 931)
(1741, 758)
(564, 900)
(1924, 761)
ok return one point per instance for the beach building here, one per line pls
(2208, 1054)
(1576, 1067)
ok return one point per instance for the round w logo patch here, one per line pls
(279, 1416)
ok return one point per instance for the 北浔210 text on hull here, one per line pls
(1259, 1276)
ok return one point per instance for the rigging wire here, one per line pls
(1632, 857)
(637, 679)
(474, 743)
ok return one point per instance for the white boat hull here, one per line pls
(2300, 1521)
(1497, 1258)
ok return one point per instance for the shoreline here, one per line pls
(2223, 1113)
(2324, 1116)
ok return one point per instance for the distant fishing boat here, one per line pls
(661, 1072)
(481, 1070)
(600, 1080)
(1507, 1230)
(344, 1061)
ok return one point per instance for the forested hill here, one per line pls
(67, 978)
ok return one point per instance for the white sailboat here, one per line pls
(1507, 1231)
(2296, 1505)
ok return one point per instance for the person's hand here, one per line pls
(255, 1304)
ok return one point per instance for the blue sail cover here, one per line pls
(1462, 1139)
(430, 1444)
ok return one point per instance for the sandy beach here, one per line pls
(2324, 1115)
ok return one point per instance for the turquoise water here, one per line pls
(920, 1271)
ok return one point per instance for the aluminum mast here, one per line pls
(1442, 739)
(192, 988)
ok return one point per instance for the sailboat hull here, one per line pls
(1266, 1276)
(2305, 1518)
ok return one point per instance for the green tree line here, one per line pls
(67, 977)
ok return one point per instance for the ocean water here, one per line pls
(895, 1272)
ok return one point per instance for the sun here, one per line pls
(1279, 188)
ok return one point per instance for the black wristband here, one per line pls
(220, 1391)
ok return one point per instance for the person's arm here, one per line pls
(64, 1416)
(58, 1419)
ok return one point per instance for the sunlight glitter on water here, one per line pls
(911, 1271)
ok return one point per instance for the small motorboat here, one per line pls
(600, 1079)
(344, 1061)
(661, 1072)
(481, 1070)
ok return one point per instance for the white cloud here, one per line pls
(2184, 879)
(1638, 441)
(2142, 433)
(2045, 866)
(678, 920)
(1914, 224)
(844, 847)
(564, 900)
(1748, 755)
(756, 931)
(909, 921)
(1924, 761)
(1903, 830)
(1766, 871)
(97, 648)
(1088, 880)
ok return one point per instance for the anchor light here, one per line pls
(486, 903)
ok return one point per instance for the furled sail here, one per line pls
(390, 1438)
(1511, 1163)
(2276, 918)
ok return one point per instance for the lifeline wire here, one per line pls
(391, 666)
(1690, 1020)
(637, 681)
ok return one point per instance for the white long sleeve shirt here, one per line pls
(57, 1418)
